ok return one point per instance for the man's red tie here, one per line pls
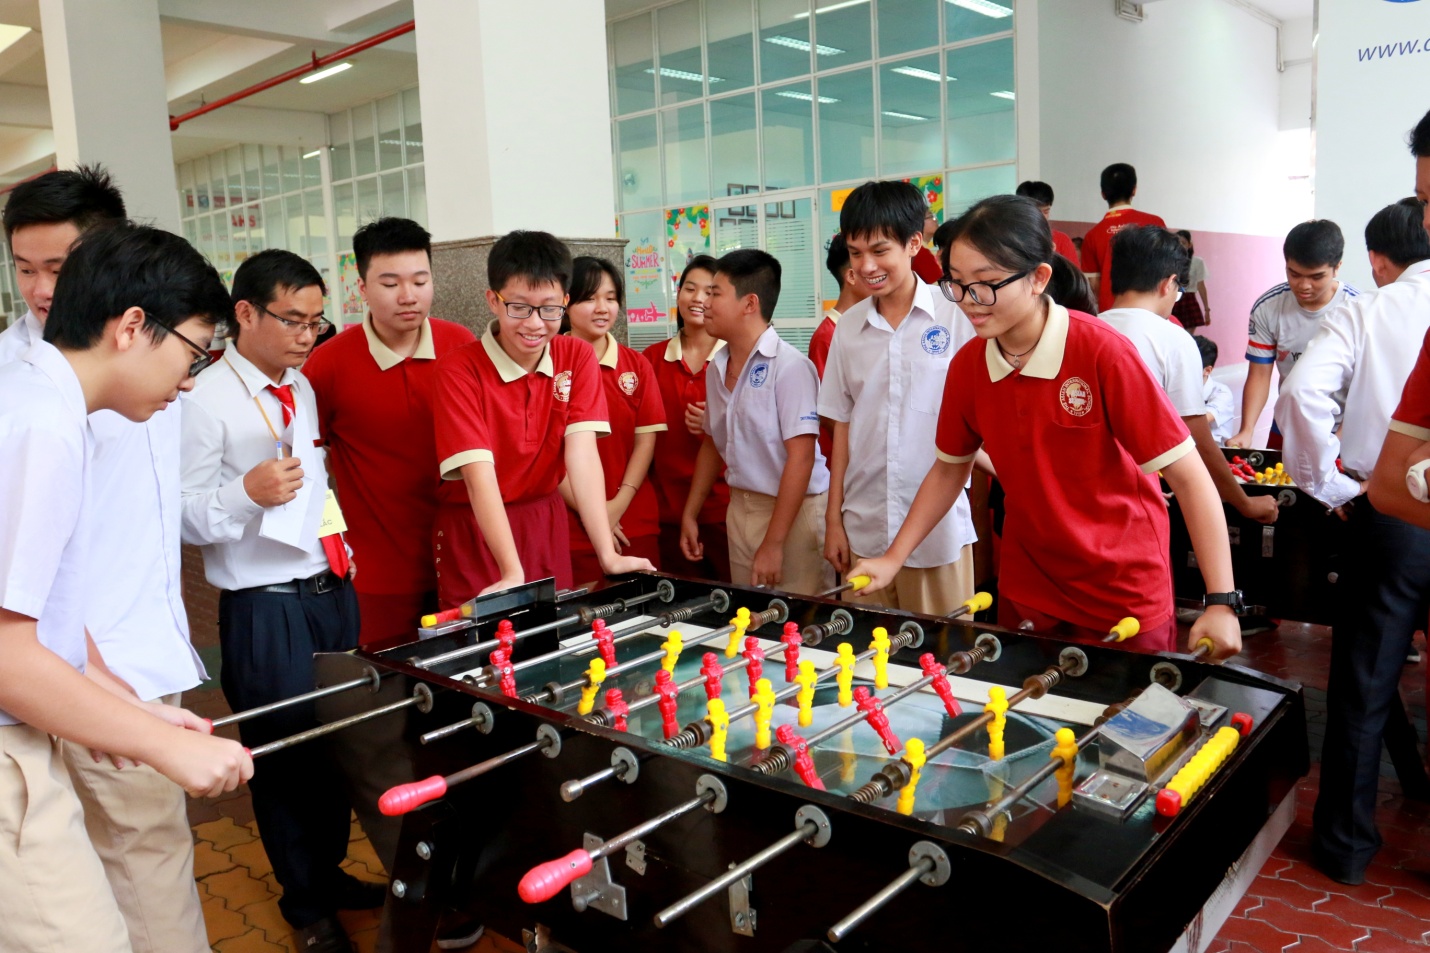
(284, 393)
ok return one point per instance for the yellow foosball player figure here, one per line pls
(880, 645)
(845, 663)
(673, 646)
(1065, 751)
(914, 755)
(741, 622)
(997, 707)
(720, 723)
(765, 700)
(595, 675)
(806, 679)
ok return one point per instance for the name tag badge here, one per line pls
(333, 521)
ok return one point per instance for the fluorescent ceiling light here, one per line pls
(1004, 94)
(10, 35)
(917, 73)
(684, 74)
(831, 7)
(325, 73)
(309, 155)
(898, 115)
(805, 97)
(802, 45)
(986, 7)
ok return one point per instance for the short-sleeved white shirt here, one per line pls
(887, 384)
(1281, 329)
(1222, 406)
(1169, 353)
(775, 398)
(45, 449)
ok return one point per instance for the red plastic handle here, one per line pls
(409, 797)
(1169, 802)
(1241, 721)
(545, 881)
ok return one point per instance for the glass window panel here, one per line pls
(389, 133)
(187, 201)
(909, 93)
(238, 232)
(736, 227)
(788, 132)
(646, 297)
(634, 64)
(394, 195)
(346, 214)
(275, 226)
(312, 167)
(201, 185)
(368, 209)
(417, 195)
(846, 126)
(252, 173)
(218, 182)
(272, 176)
(233, 160)
(638, 162)
(682, 73)
(292, 167)
(223, 253)
(729, 46)
(839, 26)
(206, 238)
(828, 228)
(340, 137)
(784, 39)
(191, 234)
(789, 236)
(980, 124)
(967, 19)
(687, 177)
(962, 189)
(317, 228)
(734, 146)
(412, 125)
(364, 142)
(256, 237)
(907, 25)
(297, 227)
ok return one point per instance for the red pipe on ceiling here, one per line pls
(317, 63)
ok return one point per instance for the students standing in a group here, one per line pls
(882, 389)
(376, 386)
(636, 416)
(1119, 186)
(679, 365)
(1077, 430)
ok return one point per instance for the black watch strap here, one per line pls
(1233, 599)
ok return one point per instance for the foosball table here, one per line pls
(666, 764)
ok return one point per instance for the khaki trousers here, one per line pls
(53, 894)
(138, 822)
(934, 591)
(804, 571)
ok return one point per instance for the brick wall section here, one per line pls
(201, 601)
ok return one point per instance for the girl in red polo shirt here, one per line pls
(1077, 430)
(636, 416)
(679, 366)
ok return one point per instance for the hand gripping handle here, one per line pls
(408, 797)
(545, 881)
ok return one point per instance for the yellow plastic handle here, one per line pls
(979, 602)
(858, 582)
(1123, 630)
(1204, 648)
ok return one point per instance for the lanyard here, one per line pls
(277, 440)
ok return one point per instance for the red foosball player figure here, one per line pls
(792, 641)
(501, 664)
(605, 642)
(710, 668)
(506, 635)
(939, 673)
(616, 705)
(803, 761)
(669, 693)
(755, 656)
(874, 713)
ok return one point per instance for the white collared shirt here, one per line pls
(887, 385)
(775, 398)
(15, 341)
(1366, 349)
(45, 453)
(1222, 406)
(225, 436)
(1169, 353)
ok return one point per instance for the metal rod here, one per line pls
(371, 679)
(706, 639)
(888, 700)
(335, 726)
(660, 820)
(958, 734)
(491, 764)
(574, 788)
(895, 887)
(684, 905)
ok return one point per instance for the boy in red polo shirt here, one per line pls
(1076, 429)
(520, 408)
(1119, 185)
(1042, 193)
(375, 385)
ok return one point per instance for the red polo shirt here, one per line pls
(492, 410)
(819, 343)
(1097, 246)
(926, 266)
(1063, 245)
(1412, 416)
(1077, 436)
(633, 402)
(375, 413)
(673, 468)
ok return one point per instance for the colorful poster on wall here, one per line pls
(932, 188)
(687, 234)
(353, 305)
(643, 281)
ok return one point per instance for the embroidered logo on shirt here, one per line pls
(561, 386)
(759, 374)
(936, 340)
(628, 382)
(1076, 397)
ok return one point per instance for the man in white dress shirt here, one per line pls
(254, 491)
(1366, 351)
(136, 818)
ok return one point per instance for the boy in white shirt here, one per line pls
(1221, 404)
(882, 389)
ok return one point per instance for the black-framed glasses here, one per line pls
(204, 358)
(982, 292)
(520, 310)
(296, 328)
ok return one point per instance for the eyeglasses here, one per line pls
(982, 292)
(521, 311)
(296, 328)
(204, 358)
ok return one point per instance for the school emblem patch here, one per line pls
(628, 382)
(561, 386)
(936, 340)
(1076, 397)
(759, 374)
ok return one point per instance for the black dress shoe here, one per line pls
(325, 936)
(460, 934)
(350, 893)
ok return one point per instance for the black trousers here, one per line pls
(1388, 563)
(300, 801)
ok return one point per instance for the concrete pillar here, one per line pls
(105, 63)
(517, 130)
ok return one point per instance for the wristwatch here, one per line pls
(1233, 599)
(1415, 481)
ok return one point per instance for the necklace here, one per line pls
(1015, 359)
